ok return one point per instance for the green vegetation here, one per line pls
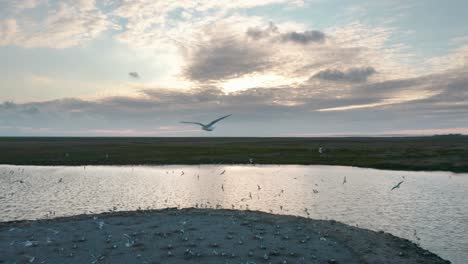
(448, 153)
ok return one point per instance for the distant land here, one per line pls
(440, 152)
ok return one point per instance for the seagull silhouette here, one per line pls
(397, 186)
(209, 126)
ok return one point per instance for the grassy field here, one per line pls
(448, 153)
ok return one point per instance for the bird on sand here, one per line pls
(207, 127)
(344, 180)
(397, 186)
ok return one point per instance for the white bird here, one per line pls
(209, 126)
(130, 241)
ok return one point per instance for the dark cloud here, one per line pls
(134, 75)
(353, 75)
(226, 58)
(304, 38)
(258, 33)
(272, 32)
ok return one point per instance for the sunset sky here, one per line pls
(282, 68)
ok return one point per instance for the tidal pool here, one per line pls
(429, 208)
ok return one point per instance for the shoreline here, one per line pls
(230, 164)
(201, 236)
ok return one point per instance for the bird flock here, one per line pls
(131, 241)
(207, 204)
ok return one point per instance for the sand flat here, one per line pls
(200, 236)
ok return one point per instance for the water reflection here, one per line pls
(429, 207)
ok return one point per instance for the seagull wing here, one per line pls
(217, 120)
(196, 123)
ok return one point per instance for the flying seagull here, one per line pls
(207, 127)
(134, 75)
(397, 186)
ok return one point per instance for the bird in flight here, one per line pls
(209, 126)
(134, 75)
(397, 186)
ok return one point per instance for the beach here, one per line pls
(200, 236)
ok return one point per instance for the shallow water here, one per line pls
(430, 208)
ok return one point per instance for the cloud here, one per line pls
(305, 37)
(153, 23)
(218, 44)
(454, 60)
(27, 4)
(272, 32)
(238, 52)
(60, 24)
(354, 75)
(8, 30)
(224, 58)
(258, 33)
(223, 51)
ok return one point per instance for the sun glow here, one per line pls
(256, 81)
(398, 99)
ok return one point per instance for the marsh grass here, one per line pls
(449, 153)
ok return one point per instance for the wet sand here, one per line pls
(200, 236)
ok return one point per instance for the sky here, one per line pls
(281, 68)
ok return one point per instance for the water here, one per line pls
(430, 208)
